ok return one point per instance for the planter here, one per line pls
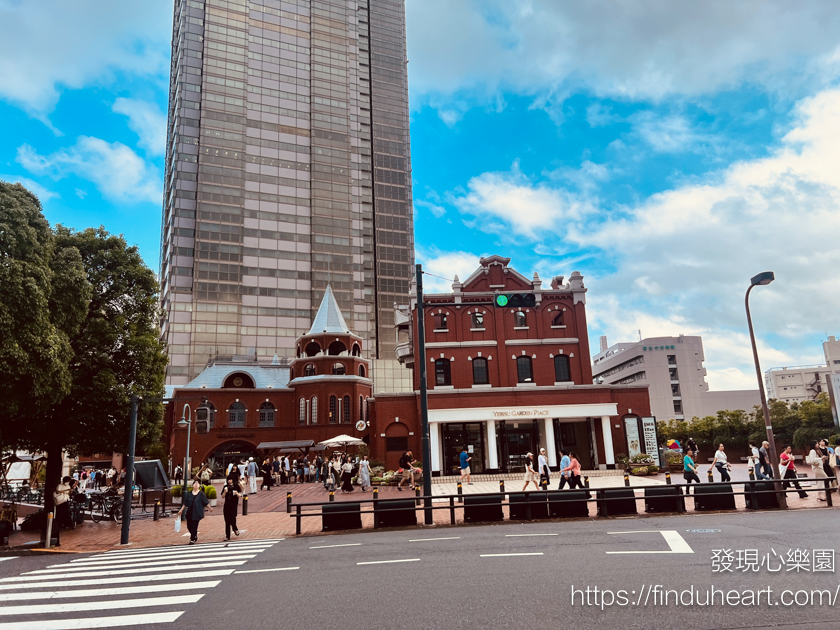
(213, 502)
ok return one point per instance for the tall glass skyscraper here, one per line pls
(288, 169)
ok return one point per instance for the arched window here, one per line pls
(211, 415)
(362, 371)
(520, 319)
(361, 407)
(302, 411)
(346, 410)
(267, 412)
(558, 319)
(339, 369)
(337, 347)
(477, 320)
(562, 372)
(236, 415)
(333, 410)
(443, 375)
(314, 404)
(356, 350)
(312, 349)
(309, 370)
(480, 375)
(441, 322)
(291, 373)
(524, 373)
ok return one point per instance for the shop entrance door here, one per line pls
(516, 440)
(455, 437)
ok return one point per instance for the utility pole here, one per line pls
(129, 472)
(420, 362)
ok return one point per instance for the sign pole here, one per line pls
(420, 362)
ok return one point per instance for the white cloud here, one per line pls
(668, 134)
(618, 48)
(683, 258)
(147, 121)
(49, 45)
(116, 170)
(42, 193)
(435, 209)
(446, 265)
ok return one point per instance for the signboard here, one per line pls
(650, 438)
(631, 430)
(522, 413)
(834, 397)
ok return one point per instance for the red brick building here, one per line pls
(502, 381)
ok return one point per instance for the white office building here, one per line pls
(804, 382)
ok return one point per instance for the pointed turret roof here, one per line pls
(329, 318)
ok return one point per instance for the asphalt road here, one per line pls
(509, 575)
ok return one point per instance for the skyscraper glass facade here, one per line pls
(288, 169)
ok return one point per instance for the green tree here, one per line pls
(816, 421)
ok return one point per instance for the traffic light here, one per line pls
(504, 300)
(202, 418)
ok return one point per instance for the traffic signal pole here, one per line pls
(420, 362)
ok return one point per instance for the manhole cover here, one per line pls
(703, 531)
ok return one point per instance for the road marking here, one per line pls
(153, 559)
(389, 561)
(176, 552)
(27, 577)
(521, 535)
(93, 622)
(425, 539)
(8, 558)
(331, 546)
(126, 579)
(107, 592)
(266, 570)
(202, 546)
(58, 568)
(676, 542)
(502, 555)
(44, 609)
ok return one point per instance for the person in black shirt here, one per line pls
(231, 493)
(408, 471)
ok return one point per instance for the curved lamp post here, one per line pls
(186, 422)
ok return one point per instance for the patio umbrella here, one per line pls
(674, 445)
(342, 441)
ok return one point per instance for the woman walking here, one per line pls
(574, 469)
(347, 476)
(689, 470)
(786, 465)
(817, 461)
(530, 473)
(722, 465)
(193, 507)
(826, 451)
(364, 473)
(231, 493)
(268, 481)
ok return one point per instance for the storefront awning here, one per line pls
(292, 444)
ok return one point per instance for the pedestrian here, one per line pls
(253, 469)
(336, 466)
(564, 462)
(764, 460)
(723, 466)
(179, 472)
(827, 452)
(817, 461)
(691, 445)
(364, 473)
(287, 468)
(347, 475)
(754, 461)
(788, 470)
(834, 461)
(193, 506)
(109, 478)
(231, 493)
(266, 474)
(275, 470)
(234, 474)
(465, 465)
(690, 470)
(574, 469)
(330, 477)
(61, 498)
(319, 464)
(407, 471)
(531, 475)
(242, 470)
(545, 478)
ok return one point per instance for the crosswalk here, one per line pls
(125, 587)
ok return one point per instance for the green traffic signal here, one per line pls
(501, 300)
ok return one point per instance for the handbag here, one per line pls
(782, 470)
(177, 525)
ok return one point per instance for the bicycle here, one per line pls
(106, 506)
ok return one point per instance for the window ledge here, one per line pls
(477, 329)
(444, 387)
(521, 327)
(563, 326)
(440, 330)
(564, 382)
(526, 384)
(482, 385)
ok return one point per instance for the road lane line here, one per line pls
(389, 561)
(331, 546)
(425, 539)
(93, 622)
(266, 570)
(676, 543)
(107, 592)
(87, 606)
(502, 555)
(126, 579)
(521, 535)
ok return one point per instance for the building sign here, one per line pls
(651, 441)
(834, 397)
(233, 436)
(631, 430)
(524, 413)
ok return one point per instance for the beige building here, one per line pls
(673, 369)
(804, 382)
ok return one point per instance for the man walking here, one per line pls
(408, 471)
(565, 462)
(319, 462)
(252, 475)
(764, 459)
(545, 478)
(754, 461)
(465, 465)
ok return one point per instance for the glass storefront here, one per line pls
(515, 440)
(455, 436)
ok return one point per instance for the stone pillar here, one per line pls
(492, 453)
(434, 445)
(606, 429)
(550, 443)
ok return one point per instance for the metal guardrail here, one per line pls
(538, 500)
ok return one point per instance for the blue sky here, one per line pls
(667, 151)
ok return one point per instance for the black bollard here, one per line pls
(332, 495)
(710, 475)
(626, 480)
(502, 486)
(752, 474)
(668, 478)
(245, 505)
(288, 503)
(417, 494)
(156, 514)
(460, 492)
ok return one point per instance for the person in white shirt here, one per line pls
(722, 464)
(543, 468)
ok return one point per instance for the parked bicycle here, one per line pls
(107, 504)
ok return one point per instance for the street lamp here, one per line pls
(185, 423)
(762, 279)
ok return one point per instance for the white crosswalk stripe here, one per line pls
(158, 583)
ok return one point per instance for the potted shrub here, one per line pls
(176, 492)
(642, 471)
(653, 470)
(210, 493)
